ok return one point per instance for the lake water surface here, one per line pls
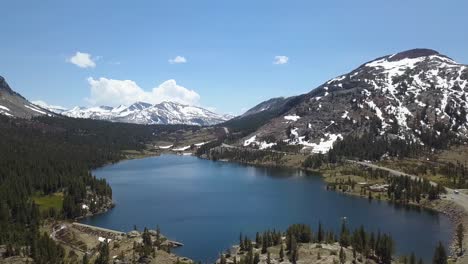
(206, 204)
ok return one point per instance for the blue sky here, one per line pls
(229, 46)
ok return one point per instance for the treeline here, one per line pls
(455, 173)
(400, 189)
(372, 147)
(95, 192)
(315, 161)
(285, 147)
(405, 189)
(245, 155)
(365, 147)
(377, 246)
(47, 155)
(205, 148)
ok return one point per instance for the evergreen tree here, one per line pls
(264, 247)
(103, 257)
(146, 237)
(147, 248)
(404, 260)
(460, 235)
(342, 256)
(293, 249)
(222, 260)
(412, 258)
(440, 255)
(320, 236)
(241, 242)
(281, 253)
(158, 233)
(257, 240)
(256, 258)
(344, 234)
(85, 259)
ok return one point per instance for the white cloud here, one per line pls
(82, 60)
(280, 60)
(177, 60)
(115, 92)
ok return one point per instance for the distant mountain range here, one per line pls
(12, 104)
(415, 95)
(144, 113)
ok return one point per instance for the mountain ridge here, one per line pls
(166, 112)
(405, 95)
(13, 104)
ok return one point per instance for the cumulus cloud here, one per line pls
(82, 60)
(115, 92)
(177, 60)
(280, 60)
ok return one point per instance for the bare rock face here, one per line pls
(408, 95)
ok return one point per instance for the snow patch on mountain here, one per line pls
(145, 113)
(53, 108)
(181, 148)
(32, 107)
(4, 108)
(408, 95)
(292, 117)
(250, 141)
(325, 144)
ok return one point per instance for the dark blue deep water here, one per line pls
(205, 204)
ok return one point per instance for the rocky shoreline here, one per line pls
(455, 213)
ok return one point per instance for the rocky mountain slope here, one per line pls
(145, 113)
(275, 104)
(414, 95)
(261, 114)
(14, 105)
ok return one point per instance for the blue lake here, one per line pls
(206, 204)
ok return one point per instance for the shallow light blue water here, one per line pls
(205, 204)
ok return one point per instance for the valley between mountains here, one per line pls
(394, 129)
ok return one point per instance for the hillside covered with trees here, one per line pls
(45, 155)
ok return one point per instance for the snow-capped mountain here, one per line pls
(413, 95)
(145, 113)
(13, 104)
(53, 108)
